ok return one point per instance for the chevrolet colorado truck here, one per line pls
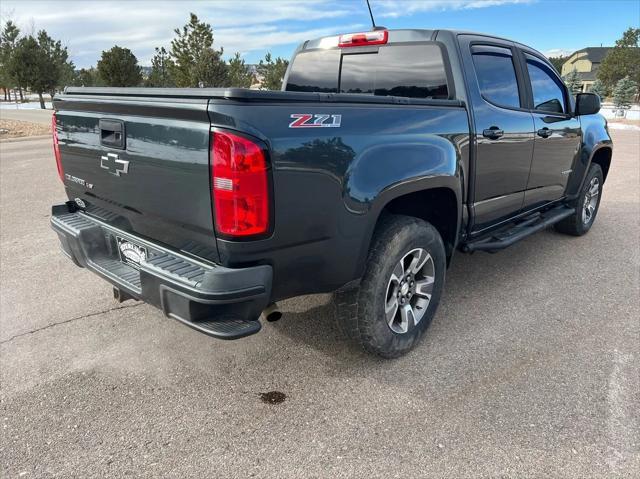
(384, 153)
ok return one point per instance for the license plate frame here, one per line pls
(130, 252)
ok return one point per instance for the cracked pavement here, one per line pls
(84, 316)
(530, 368)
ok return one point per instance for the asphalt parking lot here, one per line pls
(530, 369)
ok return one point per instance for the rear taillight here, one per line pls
(378, 37)
(240, 185)
(56, 146)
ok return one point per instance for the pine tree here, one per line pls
(40, 63)
(195, 63)
(67, 76)
(272, 72)
(238, 72)
(210, 70)
(599, 89)
(160, 65)
(57, 63)
(624, 92)
(86, 77)
(623, 60)
(8, 43)
(26, 65)
(119, 67)
(573, 82)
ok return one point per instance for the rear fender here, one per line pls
(386, 172)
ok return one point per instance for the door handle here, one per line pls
(112, 133)
(545, 132)
(493, 133)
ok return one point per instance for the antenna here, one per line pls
(373, 22)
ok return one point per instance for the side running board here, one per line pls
(513, 234)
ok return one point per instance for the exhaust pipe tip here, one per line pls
(272, 313)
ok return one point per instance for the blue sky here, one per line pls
(253, 27)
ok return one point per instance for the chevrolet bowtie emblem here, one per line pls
(113, 164)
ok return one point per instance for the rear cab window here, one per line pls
(413, 71)
(316, 70)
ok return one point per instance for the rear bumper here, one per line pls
(218, 301)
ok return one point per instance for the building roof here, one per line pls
(594, 54)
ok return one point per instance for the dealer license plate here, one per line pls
(131, 253)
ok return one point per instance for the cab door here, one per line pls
(504, 130)
(557, 132)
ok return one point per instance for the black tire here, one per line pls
(579, 223)
(361, 311)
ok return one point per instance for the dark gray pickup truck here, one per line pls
(385, 152)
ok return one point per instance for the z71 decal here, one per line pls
(307, 120)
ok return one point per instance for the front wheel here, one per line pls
(400, 290)
(586, 204)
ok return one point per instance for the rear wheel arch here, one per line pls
(438, 206)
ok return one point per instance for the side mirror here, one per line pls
(587, 104)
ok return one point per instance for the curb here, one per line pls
(25, 138)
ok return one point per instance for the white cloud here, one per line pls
(558, 52)
(220, 13)
(88, 27)
(394, 9)
(236, 39)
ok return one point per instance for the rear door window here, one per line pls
(496, 75)
(546, 87)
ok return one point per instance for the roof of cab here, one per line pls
(404, 35)
(407, 35)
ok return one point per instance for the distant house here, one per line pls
(586, 63)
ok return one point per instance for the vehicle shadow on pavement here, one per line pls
(473, 281)
(316, 327)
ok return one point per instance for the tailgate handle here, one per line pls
(112, 133)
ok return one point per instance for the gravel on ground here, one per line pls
(17, 129)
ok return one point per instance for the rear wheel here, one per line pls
(400, 290)
(586, 204)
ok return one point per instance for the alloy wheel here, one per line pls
(409, 290)
(590, 201)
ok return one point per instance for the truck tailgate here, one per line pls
(142, 164)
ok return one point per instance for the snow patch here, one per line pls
(24, 106)
(623, 126)
(609, 111)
